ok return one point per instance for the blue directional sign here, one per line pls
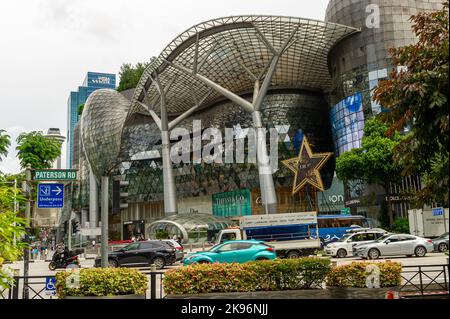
(50, 195)
(439, 211)
(50, 285)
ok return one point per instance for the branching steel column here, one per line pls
(170, 197)
(104, 211)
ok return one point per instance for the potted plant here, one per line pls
(101, 283)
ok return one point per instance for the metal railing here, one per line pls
(424, 280)
(36, 287)
(29, 287)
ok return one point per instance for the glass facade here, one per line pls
(347, 123)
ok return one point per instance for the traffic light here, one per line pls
(75, 226)
(119, 196)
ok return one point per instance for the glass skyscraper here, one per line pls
(93, 81)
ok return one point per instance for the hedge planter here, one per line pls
(329, 293)
(101, 283)
(361, 274)
(270, 275)
(107, 297)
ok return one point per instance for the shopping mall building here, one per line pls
(296, 76)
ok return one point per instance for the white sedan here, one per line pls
(395, 245)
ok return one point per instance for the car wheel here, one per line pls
(420, 251)
(442, 247)
(159, 262)
(373, 253)
(293, 254)
(204, 262)
(341, 253)
(112, 263)
(52, 266)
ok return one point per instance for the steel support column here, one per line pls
(93, 200)
(104, 212)
(268, 193)
(170, 197)
(170, 200)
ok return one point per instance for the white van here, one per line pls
(344, 246)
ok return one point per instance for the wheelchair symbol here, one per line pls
(50, 284)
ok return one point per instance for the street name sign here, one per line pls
(55, 175)
(345, 211)
(50, 195)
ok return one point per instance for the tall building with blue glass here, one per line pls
(93, 81)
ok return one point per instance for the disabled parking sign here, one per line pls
(50, 286)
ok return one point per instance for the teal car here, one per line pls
(239, 251)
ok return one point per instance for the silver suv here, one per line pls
(344, 246)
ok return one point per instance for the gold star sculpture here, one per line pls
(306, 167)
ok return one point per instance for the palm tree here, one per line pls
(4, 144)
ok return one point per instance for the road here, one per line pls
(40, 268)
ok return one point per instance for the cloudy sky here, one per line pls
(47, 47)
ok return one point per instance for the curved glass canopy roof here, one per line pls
(190, 227)
(235, 51)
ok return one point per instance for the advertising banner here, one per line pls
(235, 203)
(279, 219)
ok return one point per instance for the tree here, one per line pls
(80, 109)
(130, 75)
(373, 161)
(4, 144)
(416, 96)
(37, 150)
(11, 226)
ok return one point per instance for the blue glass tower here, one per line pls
(93, 81)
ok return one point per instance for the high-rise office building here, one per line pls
(93, 81)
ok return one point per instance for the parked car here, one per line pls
(142, 253)
(239, 251)
(395, 245)
(344, 246)
(441, 243)
(179, 249)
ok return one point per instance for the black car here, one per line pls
(143, 253)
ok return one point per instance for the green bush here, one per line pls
(400, 225)
(269, 275)
(102, 282)
(162, 234)
(354, 275)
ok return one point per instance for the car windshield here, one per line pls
(344, 238)
(443, 236)
(383, 237)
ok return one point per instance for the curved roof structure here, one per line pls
(235, 51)
(232, 52)
(102, 122)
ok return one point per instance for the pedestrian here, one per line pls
(174, 237)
